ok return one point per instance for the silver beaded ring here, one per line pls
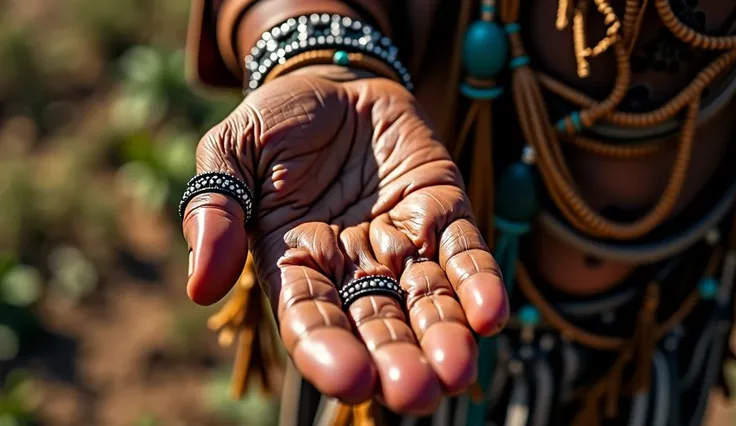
(371, 285)
(221, 183)
(316, 32)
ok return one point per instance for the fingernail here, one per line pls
(191, 262)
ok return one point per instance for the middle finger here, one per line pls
(435, 315)
(408, 383)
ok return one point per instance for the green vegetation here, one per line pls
(95, 114)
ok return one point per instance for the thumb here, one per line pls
(213, 228)
(214, 223)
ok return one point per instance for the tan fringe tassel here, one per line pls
(365, 414)
(258, 348)
(343, 415)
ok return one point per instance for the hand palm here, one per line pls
(350, 181)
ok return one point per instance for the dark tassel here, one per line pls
(606, 391)
(480, 186)
(589, 414)
(645, 341)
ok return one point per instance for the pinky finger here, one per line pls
(475, 276)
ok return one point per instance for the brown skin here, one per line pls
(350, 181)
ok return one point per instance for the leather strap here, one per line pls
(228, 16)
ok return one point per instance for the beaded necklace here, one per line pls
(537, 128)
(507, 223)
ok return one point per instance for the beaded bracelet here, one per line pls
(339, 57)
(343, 35)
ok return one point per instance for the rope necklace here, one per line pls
(537, 128)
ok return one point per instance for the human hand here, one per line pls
(349, 181)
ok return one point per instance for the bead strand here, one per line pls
(616, 151)
(563, 10)
(689, 35)
(704, 78)
(580, 215)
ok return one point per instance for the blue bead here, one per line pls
(513, 27)
(576, 123)
(485, 50)
(481, 93)
(529, 315)
(341, 58)
(575, 117)
(511, 228)
(518, 194)
(708, 287)
(519, 61)
(488, 8)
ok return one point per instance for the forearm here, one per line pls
(240, 23)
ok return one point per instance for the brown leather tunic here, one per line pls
(621, 189)
(426, 32)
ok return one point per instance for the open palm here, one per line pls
(349, 181)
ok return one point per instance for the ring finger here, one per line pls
(408, 383)
(435, 315)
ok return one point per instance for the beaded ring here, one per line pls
(371, 285)
(221, 183)
(320, 32)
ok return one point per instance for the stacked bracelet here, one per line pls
(343, 35)
(316, 57)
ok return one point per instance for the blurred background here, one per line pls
(97, 137)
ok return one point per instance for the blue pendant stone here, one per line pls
(708, 287)
(485, 50)
(518, 193)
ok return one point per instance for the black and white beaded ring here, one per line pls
(369, 286)
(221, 183)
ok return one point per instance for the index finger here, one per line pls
(298, 269)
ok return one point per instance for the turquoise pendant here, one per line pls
(518, 193)
(485, 50)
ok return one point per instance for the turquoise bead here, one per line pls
(485, 50)
(481, 93)
(341, 58)
(708, 287)
(529, 315)
(519, 61)
(518, 193)
(576, 123)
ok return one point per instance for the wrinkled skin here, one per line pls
(349, 180)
